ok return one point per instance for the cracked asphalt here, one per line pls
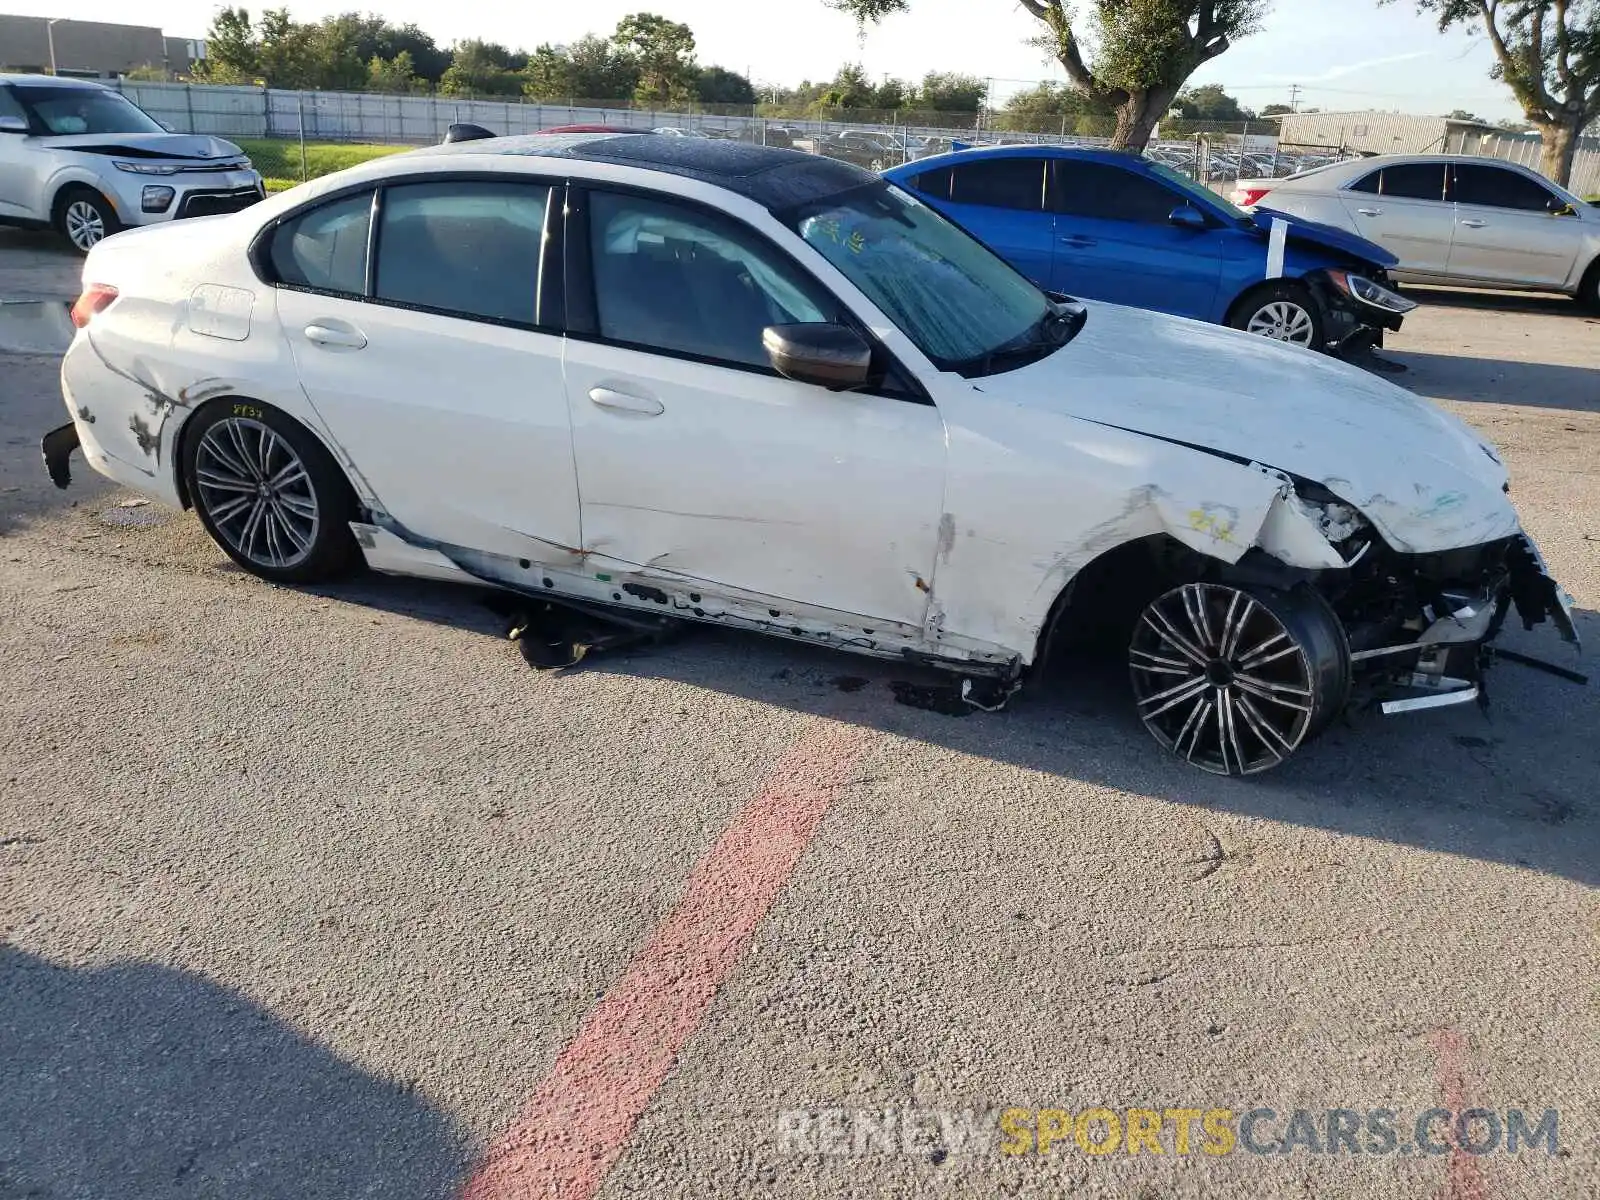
(304, 892)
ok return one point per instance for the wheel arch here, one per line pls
(75, 180)
(1236, 306)
(180, 444)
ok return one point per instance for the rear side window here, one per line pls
(1496, 187)
(1107, 193)
(1000, 183)
(326, 247)
(1405, 181)
(466, 248)
(934, 183)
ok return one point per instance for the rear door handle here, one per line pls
(1370, 212)
(643, 406)
(1474, 224)
(335, 337)
(1078, 241)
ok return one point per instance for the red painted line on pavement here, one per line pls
(1463, 1177)
(583, 1112)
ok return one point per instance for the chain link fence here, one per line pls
(296, 135)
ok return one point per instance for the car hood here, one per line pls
(1325, 237)
(146, 145)
(1423, 478)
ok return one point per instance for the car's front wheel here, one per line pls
(1282, 310)
(1235, 679)
(85, 218)
(268, 493)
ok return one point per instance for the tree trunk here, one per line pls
(1560, 147)
(1137, 117)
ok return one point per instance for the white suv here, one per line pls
(83, 158)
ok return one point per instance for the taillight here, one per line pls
(96, 297)
(1245, 197)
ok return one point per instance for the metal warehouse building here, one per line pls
(91, 49)
(1383, 132)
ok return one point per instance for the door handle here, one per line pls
(334, 337)
(1370, 212)
(643, 406)
(1474, 224)
(1079, 241)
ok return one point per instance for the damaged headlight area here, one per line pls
(1366, 291)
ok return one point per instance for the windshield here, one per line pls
(948, 293)
(67, 110)
(1197, 191)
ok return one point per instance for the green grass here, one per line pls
(278, 160)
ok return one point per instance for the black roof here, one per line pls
(774, 178)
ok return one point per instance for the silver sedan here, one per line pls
(1466, 222)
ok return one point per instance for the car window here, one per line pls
(1000, 183)
(68, 110)
(1496, 187)
(10, 106)
(326, 247)
(1107, 193)
(1405, 181)
(675, 278)
(470, 249)
(934, 183)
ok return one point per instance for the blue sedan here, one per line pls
(1110, 226)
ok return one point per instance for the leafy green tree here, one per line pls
(1210, 103)
(850, 89)
(395, 74)
(481, 69)
(664, 51)
(1056, 108)
(284, 52)
(1276, 110)
(947, 92)
(867, 12)
(1143, 51)
(717, 85)
(1548, 53)
(230, 49)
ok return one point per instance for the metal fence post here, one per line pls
(188, 102)
(300, 103)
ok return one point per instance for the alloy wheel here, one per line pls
(1233, 680)
(256, 491)
(1283, 321)
(84, 225)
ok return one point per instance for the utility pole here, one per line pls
(1294, 97)
(50, 36)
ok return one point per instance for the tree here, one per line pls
(1056, 108)
(283, 50)
(717, 85)
(850, 89)
(1548, 54)
(867, 12)
(482, 69)
(664, 51)
(1210, 103)
(944, 91)
(230, 49)
(1276, 110)
(395, 74)
(1461, 114)
(1143, 50)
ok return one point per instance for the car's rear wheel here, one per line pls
(268, 493)
(1235, 679)
(85, 218)
(1283, 311)
(1589, 288)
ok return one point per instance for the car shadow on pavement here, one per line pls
(1513, 784)
(1501, 381)
(140, 1080)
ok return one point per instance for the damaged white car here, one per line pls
(769, 390)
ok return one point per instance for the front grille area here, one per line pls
(211, 204)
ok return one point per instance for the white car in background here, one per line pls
(81, 157)
(770, 390)
(1461, 221)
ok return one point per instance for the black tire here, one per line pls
(294, 525)
(1262, 306)
(1235, 678)
(84, 217)
(1589, 289)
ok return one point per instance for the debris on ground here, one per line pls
(554, 636)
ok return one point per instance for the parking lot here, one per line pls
(328, 894)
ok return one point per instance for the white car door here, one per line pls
(431, 369)
(698, 462)
(1508, 229)
(20, 161)
(1403, 207)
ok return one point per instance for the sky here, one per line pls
(1345, 54)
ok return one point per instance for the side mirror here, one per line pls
(13, 125)
(1187, 216)
(829, 356)
(1557, 207)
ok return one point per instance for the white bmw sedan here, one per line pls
(768, 390)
